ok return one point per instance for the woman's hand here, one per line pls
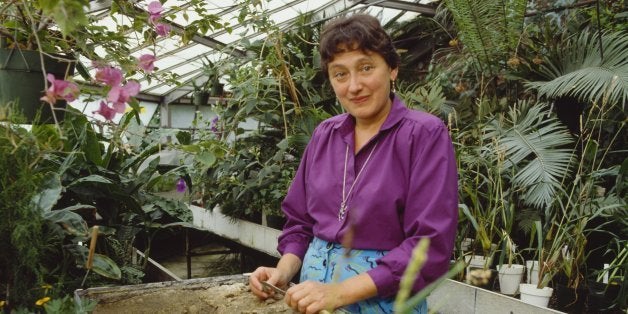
(312, 297)
(279, 276)
(269, 274)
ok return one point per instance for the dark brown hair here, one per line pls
(358, 31)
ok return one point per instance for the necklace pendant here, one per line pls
(342, 212)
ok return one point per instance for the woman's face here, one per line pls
(361, 81)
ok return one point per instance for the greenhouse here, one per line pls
(300, 156)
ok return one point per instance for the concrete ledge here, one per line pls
(249, 234)
(456, 297)
(450, 297)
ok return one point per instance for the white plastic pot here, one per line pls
(510, 277)
(476, 262)
(532, 295)
(532, 268)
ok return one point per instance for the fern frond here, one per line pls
(489, 29)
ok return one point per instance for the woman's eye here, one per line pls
(340, 75)
(366, 68)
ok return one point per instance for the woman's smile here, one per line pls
(359, 100)
(361, 81)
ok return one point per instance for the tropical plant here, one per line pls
(274, 107)
(75, 181)
(590, 67)
(536, 149)
(490, 31)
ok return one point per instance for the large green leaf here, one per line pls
(81, 137)
(106, 267)
(49, 194)
(71, 222)
(207, 159)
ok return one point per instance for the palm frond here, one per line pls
(581, 70)
(533, 146)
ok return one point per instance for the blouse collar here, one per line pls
(346, 124)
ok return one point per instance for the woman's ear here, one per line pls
(393, 74)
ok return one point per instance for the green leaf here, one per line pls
(78, 206)
(50, 193)
(145, 176)
(190, 148)
(71, 222)
(82, 70)
(208, 159)
(69, 15)
(94, 178)
(106, 267)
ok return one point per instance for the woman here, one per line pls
(376, 179)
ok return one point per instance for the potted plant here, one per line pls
(36, 38)
(46, 38)
(548, 253)
(509, 274)
(211, 87)
(608, 289)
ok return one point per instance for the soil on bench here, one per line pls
(224, 297)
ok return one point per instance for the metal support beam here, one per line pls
(424, 9)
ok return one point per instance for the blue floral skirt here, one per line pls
(325, 262)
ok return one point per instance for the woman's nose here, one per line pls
(355, 84)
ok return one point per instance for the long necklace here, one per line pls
(343, 205)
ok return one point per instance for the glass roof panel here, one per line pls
(185, 61)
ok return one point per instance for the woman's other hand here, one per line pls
(313, 297)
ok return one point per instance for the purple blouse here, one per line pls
(407, 191)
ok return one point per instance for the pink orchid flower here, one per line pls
(154, 9)
(120, 95)
(162, 29)
(107, 112)
(147, 62)
(109, 75)
(60, 89)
